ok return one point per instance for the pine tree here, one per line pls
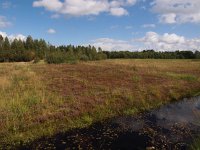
(14, 45)
(6, 44)
(29, 43)
(1, 42)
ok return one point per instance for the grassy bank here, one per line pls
(40, 100)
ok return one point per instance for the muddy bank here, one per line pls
(173, 126)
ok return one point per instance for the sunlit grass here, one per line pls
(22, 100)
(40, 100)
(187, 77)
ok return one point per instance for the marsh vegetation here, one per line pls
(172, 126)
(41, 100)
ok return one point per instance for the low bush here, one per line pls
(55, 58)
(60, 57)
(16, 56)
(36, 60)
(84, 58)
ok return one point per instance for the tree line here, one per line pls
(38, 49)
(34, 49)
(151, 54)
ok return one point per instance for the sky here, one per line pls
(163, 25)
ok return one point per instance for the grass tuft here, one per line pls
(186, 77)
(41, 100)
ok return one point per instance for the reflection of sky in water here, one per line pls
(168, 125)
(187, 111)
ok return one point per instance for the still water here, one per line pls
(173, 126)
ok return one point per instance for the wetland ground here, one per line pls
(41, 100)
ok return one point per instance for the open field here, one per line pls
(40, 100)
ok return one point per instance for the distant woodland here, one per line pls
(36, 50)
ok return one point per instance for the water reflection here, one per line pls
(170, 127)
(182, 112)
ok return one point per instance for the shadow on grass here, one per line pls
(173, 126)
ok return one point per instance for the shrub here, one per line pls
(84, 58)
(27, 56)
(16, 56)
(36, 60)
(61, 57)
(55, 58)
(101, 56)
(70, 58)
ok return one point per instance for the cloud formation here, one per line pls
(4, 22)
(112, 44)
(13, 36)
(51, 31)
(85, 7)
(151, 40)
(169, 42)
(177, 11)
(6, 5)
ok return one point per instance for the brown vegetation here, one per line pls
(43, 99)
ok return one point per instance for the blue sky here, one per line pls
(110, 24)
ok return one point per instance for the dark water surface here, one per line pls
(172, 126)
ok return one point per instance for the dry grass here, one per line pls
(40, 100)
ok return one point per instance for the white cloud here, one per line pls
(109, 44)
(85, 7)
(3, 34)
(52, 5)
(177, 11)
(3, 22)
(17, 36)
(51, 31)
(6, 5)
(149, 26)
(169, 42)
(13, 36)
(152, 40)
(168, 18)
(118, 11)
(131, 2)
